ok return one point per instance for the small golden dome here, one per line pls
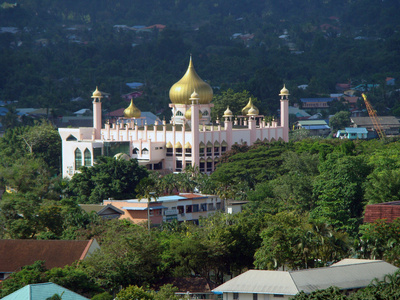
(188, 114)
(284, 91)
(181, 91)
(194, 95)
(178, 145)
(168, 145)
(245, 110)
(228, 112)
(252, 112)
(187, 145)
(132, 111)
(97, 93)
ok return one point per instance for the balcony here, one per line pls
(171, 212)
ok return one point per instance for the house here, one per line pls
(388, 211)
(352, 133)
(390, 124)
(105, 211)
(299, 113)
(16, 254)
(194, 287)
(182, 207)
(41, 291)
(390, 81)
(315, 127)
(315, 103)
(188, 139)
(341, 87)
(348, 275)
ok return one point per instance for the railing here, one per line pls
(170, 212)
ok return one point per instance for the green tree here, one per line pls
(109, 178)
(134, 292)
(338, 192)
(129, 255)
(340, 120)
(34, 273)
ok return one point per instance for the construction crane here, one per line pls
(374, 118)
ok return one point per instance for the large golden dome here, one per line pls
(132, 111)
(181, 91)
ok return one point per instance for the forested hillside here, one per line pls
(63, 49)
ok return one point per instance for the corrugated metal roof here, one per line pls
(356, 130)
(348, 275)
(312, 122)
(42, 291)
(260, 281)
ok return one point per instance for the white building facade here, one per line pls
(188, 139)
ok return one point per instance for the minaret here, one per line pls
(285, 112)
(97, 113)
(228, 116)
(195, 121)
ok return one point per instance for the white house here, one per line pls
(348, 275)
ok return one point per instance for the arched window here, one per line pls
(88, 157)
(179, 113)
(205, 113)
(71, 138)
(78, 159)
(145, 151)
(135, 151)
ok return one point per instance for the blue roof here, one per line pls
(42, 291)
(356, 130)
(316, 99)
(170, 198)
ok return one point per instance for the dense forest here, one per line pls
(63, 49)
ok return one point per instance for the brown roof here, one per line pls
(15, 254)
(386, 122)
(388, 211)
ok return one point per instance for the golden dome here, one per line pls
(187, 145)
(284, 91)
(188, 114)
(168, 145)
(252, 111)
(178, 145)
(228, 112)
(245, 110)
(132, 111)
(97, 94)
(181, 91)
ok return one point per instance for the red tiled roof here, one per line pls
(15, 254)
(116, 113)
(388, 211)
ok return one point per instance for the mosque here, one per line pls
(190, 138)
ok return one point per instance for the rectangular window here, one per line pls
(169, 151)
(195, 207)
(201, 151)
(278, 296)
(188, 208)
(235, 295)
(203, 207)
(255, 296)
(181, 209)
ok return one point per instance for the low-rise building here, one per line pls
(348, 275)
(182, 207)
(352, 133)
(388, 211)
